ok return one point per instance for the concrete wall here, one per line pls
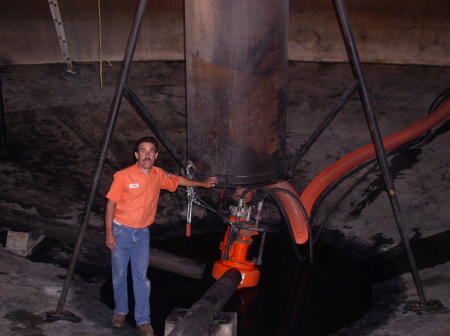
(387, 31)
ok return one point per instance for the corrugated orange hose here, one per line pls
(348, 162)
(294, 211)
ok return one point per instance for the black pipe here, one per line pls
(377, 140)
(324, 124)
(151, 122)
(198, 319)
(132, 40)
(2, 117)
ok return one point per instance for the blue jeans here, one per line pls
(132, 245)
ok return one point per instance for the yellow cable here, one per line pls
(100, 44)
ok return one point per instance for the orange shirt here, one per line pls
(136, 195)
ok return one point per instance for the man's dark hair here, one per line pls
(150, 139)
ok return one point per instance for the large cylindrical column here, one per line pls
(236, 65)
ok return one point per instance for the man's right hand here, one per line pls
(110, 241)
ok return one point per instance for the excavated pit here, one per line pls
(54, 126)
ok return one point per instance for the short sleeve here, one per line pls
(115, 191)
(168, 181)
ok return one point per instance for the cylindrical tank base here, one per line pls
(236, 65)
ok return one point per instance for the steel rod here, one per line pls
(2, 117)
(198, 319)
(151, 122)
(105, 144)
(325, 122)
(377, 140)
(261, 248)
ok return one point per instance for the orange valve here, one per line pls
(234, 249)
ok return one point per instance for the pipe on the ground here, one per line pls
(197, 320)
(176, 264)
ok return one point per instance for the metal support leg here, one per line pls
(105, 144)
(325, 123)
(377, 140)
(151, 122)
(57, 21)
(2, 117)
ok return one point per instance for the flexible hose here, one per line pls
(343, 165)
(297, 232)
(296, 214)
(291, 232)
(417, 142)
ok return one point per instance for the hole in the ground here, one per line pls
(293, 298)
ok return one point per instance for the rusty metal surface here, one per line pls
(236, 63)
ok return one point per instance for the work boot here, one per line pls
(146, 329)
(118, 320)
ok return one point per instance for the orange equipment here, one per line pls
(239, 235)
(235, 245)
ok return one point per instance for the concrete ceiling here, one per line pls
(399, 32)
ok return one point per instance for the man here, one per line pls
(130, 210)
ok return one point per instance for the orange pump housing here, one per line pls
(237, 258)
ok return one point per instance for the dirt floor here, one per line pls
(55, 122)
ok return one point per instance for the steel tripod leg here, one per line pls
(377, 140)
(105, 144)
(2, 118)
